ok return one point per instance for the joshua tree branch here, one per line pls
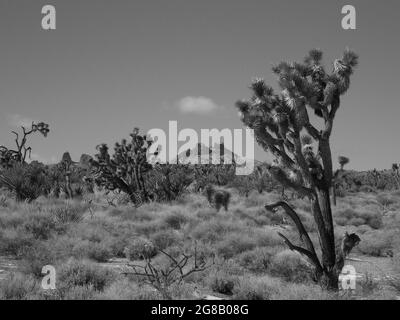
(311, 256)
(271, 143)
(312, 131)
(300, 227)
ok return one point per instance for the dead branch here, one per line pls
(304, 237)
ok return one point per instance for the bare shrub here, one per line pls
(175, 269)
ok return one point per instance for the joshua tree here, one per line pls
(279, 121)
(125, 170)
(168, 181)
(65, 165)
(8, 156)
(396, 174)
(336, 177)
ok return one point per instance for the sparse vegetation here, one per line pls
(119, 227)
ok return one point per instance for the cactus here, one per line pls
(125, 169)
(303, 164)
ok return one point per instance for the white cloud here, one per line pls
(198, 105)
(16, 120)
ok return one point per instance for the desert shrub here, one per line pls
(252, 288)
(234, 244)
(356, 221)
(148, 228)
(257, 260)
(223, 276)
(266, 237)
(93, 230)
(26, 181)
(300, 291)
(367, 189)
(42, 225)
(164, 239)
(175, 219)
(244, 185)
(79, 292)
(67, 214)
(83, 274)
(66, 246)
(222, 282)
(215, 229)
(356, 218)
(115, 212)
(206, 213)
(396, 260)
(11, 220)
(140, 214)
(167, 182)
(140, 248)
(376, 243)
(98, 251)
(290, 266)
(36, 257)
(18, 286)
(363, 229)
(368, 284)
(13, 241)
(385, 199)
(117, 244)
(375, 222)
(124, 289)
(276, 217)
(3, 201)
(341, 221)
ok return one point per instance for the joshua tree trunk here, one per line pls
(68, 189)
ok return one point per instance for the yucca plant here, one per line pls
(26, 181)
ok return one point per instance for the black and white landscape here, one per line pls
(201, 150)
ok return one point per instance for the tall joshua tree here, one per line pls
(282, 126)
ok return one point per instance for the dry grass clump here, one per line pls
(378, 243)
(291, 267)
(350, 216)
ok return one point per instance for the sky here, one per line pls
(111, 66)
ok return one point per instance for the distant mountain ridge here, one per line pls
(216, 154)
